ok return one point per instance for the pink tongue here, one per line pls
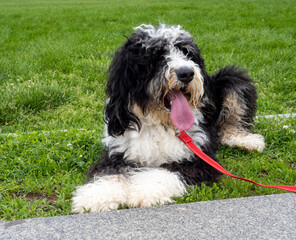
(181, 114)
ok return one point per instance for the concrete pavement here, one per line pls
(262, 217)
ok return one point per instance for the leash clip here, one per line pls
(184, 137)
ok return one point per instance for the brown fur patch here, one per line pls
(230, 120)
(232, 111)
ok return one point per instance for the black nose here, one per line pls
(185, 74)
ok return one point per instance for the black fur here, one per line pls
(130, 72)
(229, 79)
(115, 164)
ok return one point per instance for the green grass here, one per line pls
(54, 58)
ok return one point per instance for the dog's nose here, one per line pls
(185, 74)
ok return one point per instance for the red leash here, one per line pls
(192, 146)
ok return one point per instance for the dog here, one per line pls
(158, 80)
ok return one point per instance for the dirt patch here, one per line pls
(39, 197)
(30, 197)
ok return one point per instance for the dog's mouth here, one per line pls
(168, 101)
(176, 102)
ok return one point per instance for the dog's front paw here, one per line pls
(101, 195)
(140, 188)
(154, 187)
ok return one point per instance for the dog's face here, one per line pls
(152, 65)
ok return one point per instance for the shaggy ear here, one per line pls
(126, 86)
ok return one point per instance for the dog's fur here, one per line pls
(144, 163)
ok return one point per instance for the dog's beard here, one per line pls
(160, 106)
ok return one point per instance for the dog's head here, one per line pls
(153, 64)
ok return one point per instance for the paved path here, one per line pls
(263, 217)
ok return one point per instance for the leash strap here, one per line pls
(192, 146)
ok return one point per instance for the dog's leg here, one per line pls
(139, 188)
(236, 101)
(234, 130)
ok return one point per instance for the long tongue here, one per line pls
(181, 113)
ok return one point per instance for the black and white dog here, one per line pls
(158, 77)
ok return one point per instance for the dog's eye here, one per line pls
(157, 50)
(183, 48)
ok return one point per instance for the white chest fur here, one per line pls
(154, 145)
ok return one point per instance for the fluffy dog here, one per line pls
(156, 76)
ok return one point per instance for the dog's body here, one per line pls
(157, 75)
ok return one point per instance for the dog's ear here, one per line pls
(127, 84)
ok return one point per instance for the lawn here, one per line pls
(54, 58)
